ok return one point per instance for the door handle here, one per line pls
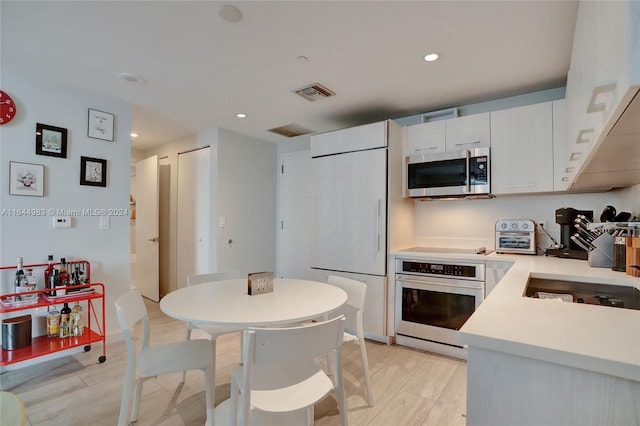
(154, 239)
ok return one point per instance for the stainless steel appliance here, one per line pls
(434, 298)
(516, 236)
(464, 173)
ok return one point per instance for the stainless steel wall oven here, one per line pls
(435, 298)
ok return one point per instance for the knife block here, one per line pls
(602, 255)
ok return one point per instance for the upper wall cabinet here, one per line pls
(603, 80)
(522, 149)
(562, 172)
(425, 138)
(468, 132)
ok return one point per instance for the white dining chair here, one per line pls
(280, 373)
(353, 312)
(213, 331)
(155, 360)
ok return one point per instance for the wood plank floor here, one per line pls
(410, 387)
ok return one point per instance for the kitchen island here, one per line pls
(534, 361)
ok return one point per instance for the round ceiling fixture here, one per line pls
(131, 78)
(229, 13)
(302, 59)
(241, 115)
(431, 57)
(134, 135)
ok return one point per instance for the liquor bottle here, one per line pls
(32, 284)
(64, 275)
(65, 314)
(20, 280)
(53, 322)
(49, 271)
(78, 320)
(54, 281)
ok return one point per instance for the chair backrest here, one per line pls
(356, 296)
(293, 345)
(212, 276)
(130, 310)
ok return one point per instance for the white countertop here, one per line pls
(596, 338)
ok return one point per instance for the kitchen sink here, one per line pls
(617, 296)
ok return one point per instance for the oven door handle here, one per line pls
(401, 280)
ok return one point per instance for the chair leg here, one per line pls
(241, 346)
(209, 392)
(233, 400)
(339, 387)
(187, 337)
(365, 368)
(136, 401)
(125, 403)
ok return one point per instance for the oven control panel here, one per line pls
(441, 269)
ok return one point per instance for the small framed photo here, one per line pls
(26, 179)
(93, 171)
(100, 125)
(51, 141)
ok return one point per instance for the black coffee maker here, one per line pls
(565, 217)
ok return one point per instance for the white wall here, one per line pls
(33, 237)
(470, 223)
(244, 191)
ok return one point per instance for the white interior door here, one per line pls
(297, 214)
(147, 233)
(193, 215)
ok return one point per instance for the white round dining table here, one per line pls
(227, 303)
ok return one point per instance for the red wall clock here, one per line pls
(7, 108)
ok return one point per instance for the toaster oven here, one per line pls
(516, 236)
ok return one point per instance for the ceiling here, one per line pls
(200, 70)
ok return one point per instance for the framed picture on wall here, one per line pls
(51, 140)
(26, 179)
(93, 171)
(100, 125)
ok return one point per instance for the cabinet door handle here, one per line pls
(425, 149)
(468, 143)
(154, 239)
(468, 166)
(523, 185)
(599, 89)
(585, 136)
(377, 224)
(575, 156)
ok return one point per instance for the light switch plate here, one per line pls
(105, 223)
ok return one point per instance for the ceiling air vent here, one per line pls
(314, 92)
(291, 130)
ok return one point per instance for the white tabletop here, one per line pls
(227, 303)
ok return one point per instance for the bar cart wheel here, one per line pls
(102, 359)
(87, 348)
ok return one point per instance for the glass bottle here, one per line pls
(78, 320)
(32, 284)
(65, 314)
(54, 281)
(20, 279)
(49, 271)
(64, 275)
(53, 322)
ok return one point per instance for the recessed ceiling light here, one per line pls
(302, 59)
(241, 115)
(431, 57)
(134, 135)
(131, 78)
(229, 13)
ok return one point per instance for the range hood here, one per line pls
(615, 161)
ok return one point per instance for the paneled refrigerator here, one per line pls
(359, 212)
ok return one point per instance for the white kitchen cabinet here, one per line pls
(468, 132)
(562, 171)
(602, 81)
(522, 149)
(495, 270)
(425, 138)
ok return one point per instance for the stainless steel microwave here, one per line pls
(465, 173)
